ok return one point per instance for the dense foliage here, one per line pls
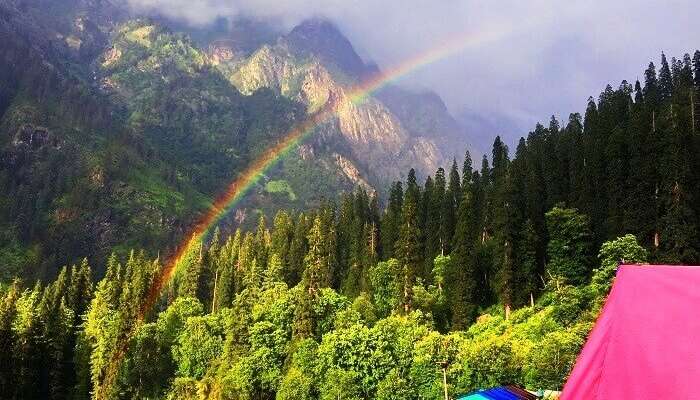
(229, 328)
(478, 275)
(125, 141)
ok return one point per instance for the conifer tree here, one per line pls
(576, 157)
(28, 347)
(467, 170)
(248, 269)
(189, 284)
(317, 260)
(453, 197)
(374, 248)
(525, 258)
(665, 79)
(80, 290)
(441, 206)
(686, 72)
(8, 313)
(297, 250)
(696, 69)
(569, 251)
(408, 250)
(652, 95)
(57, 322)
(281, 237)
(391, 220)
(504, 224)
(273, 272)
(432, 203)
(482, 199)
(346, 222)
(225, 287)
(461, 277)
(262, 241)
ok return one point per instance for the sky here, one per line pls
(547, 59)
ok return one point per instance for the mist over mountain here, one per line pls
(546, 59)
(139, 123)
(483, 127)
(321, 200)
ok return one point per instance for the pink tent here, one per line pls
(646, 342)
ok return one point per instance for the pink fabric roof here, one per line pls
(646, 342)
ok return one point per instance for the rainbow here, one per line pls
(237, 189)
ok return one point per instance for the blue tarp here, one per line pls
(499, 393)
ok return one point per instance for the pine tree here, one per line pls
(432, 203)
(316, 276)
(638, 95)
(273, 272)
(80, 290)
(441, 205)
(686, 72)
(297, 250)
(330, 242)
(317, 261)
(189, 283)
(569, 251)
(576, 157)
(374, 247)
(248, 269)
(357, 243)
(652, 95)
(453, 197)
(665, 79)
(225, 287)
(346, 223)
(262, 242)
(408, 250)
(527, 274)
(461, 277)
(696, 69)
(28, 347)
(112, 280)
(281, 237)
(504, 224)
(391, 221)
(595, 203)
(57, 322)
(467, 171)
(679, 235)
(482, 199)
(8, 313)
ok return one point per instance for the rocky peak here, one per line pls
(322, 38)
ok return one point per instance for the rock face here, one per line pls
(386, 134)
(118, 130)
(319, 38)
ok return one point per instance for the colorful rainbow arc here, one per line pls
(240, 186)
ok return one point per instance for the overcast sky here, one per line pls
(547, 57)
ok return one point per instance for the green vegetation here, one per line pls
(234, 328)
(485, 274)
(281, 186)
(88, 171)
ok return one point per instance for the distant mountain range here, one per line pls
(119, 129)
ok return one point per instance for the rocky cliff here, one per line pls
(388, 132)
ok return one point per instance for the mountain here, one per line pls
(387, 134)
(117, 130)
(483, 127)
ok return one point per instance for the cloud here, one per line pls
(551, 56)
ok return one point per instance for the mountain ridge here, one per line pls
(151, 125)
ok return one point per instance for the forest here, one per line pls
(478, 276)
